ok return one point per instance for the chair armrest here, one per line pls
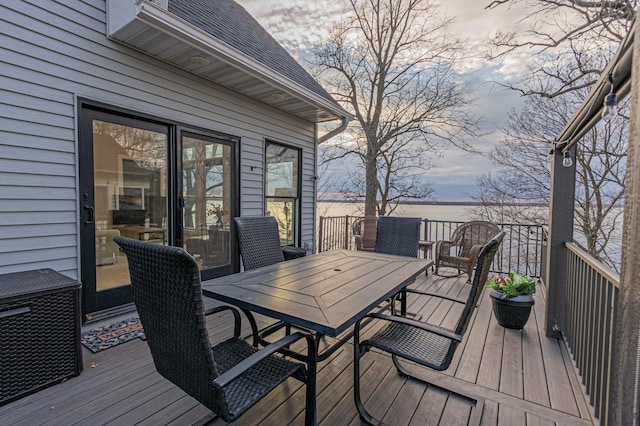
(442, 296)
(444, 245)
(473, 258)
(474, 253)
(237, 322)
(234, 372)
(413, 323)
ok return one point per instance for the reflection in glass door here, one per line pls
(282, 192)
(130, 187)
(207, 187)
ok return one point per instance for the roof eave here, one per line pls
(125, 19)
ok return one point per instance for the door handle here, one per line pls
(91, 214)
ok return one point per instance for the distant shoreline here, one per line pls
(444, 203)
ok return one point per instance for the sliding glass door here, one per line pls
(156, 182)
(210, 202)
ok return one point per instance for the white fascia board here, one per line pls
(122, 14)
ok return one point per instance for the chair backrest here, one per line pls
(469, 234)
(365, 228)
(398, 235)
(259, 241)
(168, 296)
(482, 268)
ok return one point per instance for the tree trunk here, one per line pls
(371, 184)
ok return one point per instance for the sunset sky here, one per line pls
(300, 24)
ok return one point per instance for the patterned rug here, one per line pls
(108, 336)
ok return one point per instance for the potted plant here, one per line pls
(219, 213)
(512, 298)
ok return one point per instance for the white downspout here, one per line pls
(340, 129)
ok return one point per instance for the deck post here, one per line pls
(320, 234)
(624, 402)
(561, 211)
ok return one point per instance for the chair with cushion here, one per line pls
(425, 344)
(228, 378)
(259, 241)
(364, 233)
(461, 250)
(398, 235)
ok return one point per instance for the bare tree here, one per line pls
(520, 191)
(391, 64)
(581, 33)
(569, 43)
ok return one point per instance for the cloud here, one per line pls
(301, 24)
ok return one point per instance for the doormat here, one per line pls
(108, 336)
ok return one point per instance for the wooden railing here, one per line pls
(521, 249)
(592, 291)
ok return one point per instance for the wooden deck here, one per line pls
(525, 378)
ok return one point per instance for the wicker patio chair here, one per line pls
(461, 251)
(424, 344)
(227, 378)
(364, 233)
(398, 235)
(259, 241)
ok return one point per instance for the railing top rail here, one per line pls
(598, 266)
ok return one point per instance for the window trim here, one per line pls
(297, 227)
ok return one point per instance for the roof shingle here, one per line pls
(232, 24)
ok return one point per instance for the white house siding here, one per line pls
(51, 53)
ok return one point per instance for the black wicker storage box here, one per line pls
(39, 331)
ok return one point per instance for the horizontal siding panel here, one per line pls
(14, 85)
(40, 155)
(43, 256)
(37, 193)
(37, 230)
(36, 218)
(43, 205)
(18, 126)
(66, 267)
(36, 142)
(28, 167)
(36, 116)
(21, 180)
(33, 103)
(38, 243)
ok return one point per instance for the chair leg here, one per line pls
(357, 354)
(310, 411)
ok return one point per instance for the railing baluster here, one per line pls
(591, 293)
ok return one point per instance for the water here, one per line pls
(462, 213)
(430, 211)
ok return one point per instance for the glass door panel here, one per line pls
(130, 189)
(207, 183)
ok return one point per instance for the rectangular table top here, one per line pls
(326, 292)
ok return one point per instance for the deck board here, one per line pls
(525, 377)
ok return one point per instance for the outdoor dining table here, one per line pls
(326, 293)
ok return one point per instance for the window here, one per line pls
(282, 189)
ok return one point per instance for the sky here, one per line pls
(300, 24)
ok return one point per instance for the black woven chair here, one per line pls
(422, 343)
(227, 378)
(259, 241)
(398, 235)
